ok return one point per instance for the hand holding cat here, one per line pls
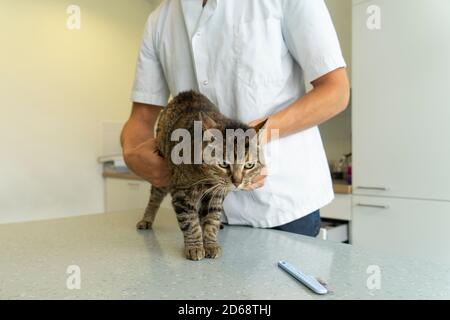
(263, 134)
(145, 161)
(259, 181)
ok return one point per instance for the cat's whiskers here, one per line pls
(213, 196)
(220, 191)
(207, 191)
(204, 181)
(212, 190)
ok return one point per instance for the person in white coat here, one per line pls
(252, 59)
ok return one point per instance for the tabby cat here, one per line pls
(198, 190)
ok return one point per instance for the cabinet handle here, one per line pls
(372, 206)
(373, 188)
(133, 184)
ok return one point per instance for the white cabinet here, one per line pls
(339, 209)
(402, 227)
(124, 194)
(401, 131)
(401, 100)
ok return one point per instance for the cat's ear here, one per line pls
(258, 127)
(207, 121)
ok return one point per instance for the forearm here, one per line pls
(139, 127)
(329, 97)
(139, 148)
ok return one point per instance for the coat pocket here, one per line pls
(260, 52)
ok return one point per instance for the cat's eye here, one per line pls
(224, 165)
(249, 165)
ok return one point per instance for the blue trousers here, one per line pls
(308, 225)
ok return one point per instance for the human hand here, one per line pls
(145, 161)
(262, 128)
(259, 181)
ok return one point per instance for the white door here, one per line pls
(402, 227)
(401, 99)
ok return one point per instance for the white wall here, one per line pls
(56, 88)
(337, 133)
(341, 13)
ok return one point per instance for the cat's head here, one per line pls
(240, 161)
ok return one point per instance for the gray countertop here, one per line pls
(339, 186)
(116, 261)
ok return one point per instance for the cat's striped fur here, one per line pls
(198, 190)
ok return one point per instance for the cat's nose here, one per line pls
(236, 182)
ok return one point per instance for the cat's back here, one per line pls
(191, 103)
(181, 112)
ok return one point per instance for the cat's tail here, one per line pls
(157, 196)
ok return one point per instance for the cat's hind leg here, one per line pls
(157, 195)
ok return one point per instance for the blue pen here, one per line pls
(306, 280)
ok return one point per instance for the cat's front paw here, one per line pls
(143, 225)
(194, 253)
(212, 251)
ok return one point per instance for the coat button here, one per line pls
(205, 83)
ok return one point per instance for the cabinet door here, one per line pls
(121, 194)
(339, 209)
(126, 194)
(402, 227)
(401, 100)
